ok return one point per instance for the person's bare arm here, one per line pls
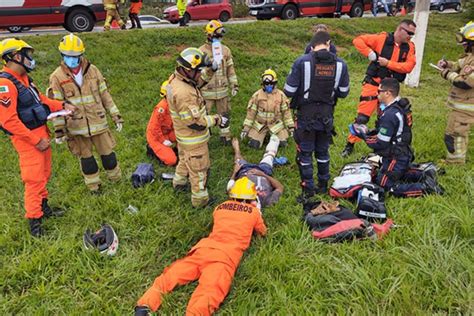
(274, 182)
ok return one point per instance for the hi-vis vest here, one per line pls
(31, 112)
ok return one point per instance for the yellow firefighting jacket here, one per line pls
(219, 81)
(92, 100)
(190, 120)
(268, 109)
(461, 76)
(110, 4)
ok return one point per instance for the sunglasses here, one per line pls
(382, 90)
(408, 32)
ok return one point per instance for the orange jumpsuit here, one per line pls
(159, 129)
(135, 7)
(375, 42)
(35, 165)
(213, 260)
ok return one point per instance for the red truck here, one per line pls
(292, 9)
(74, 15)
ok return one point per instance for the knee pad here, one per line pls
(109, 161)
(89, 165)
(362, 119)
(254, 144)
(449, 142)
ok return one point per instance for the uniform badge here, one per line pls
(195, 113)
(4, 89)
(5, 102)
(468, 70)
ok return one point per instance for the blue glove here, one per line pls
(358, 130)
(280, 161)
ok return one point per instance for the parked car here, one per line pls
(149, 20)
(201, 10)
(18, 29)
(292, 9)
(75, 16)
(441, 5)
(392, 5)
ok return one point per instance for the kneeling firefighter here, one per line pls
(268, 112)
(23, 116)
(79, 82)
(213, 260)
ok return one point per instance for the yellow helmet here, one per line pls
(215, 29)
(466, 33)
(163, 88)
(71, 45)
(191, 58)
(269, 76)
(243, 189)
(13, 45)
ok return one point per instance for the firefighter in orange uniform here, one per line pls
(213, 260)
(160, 136)
(390, 55)
(23, 116)
(135, 7)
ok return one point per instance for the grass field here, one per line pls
(423, 267)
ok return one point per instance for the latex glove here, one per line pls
(167, 143)
(60, 140)
(118, 126)
(442, 63)
(372, 56)
(243, 135)
(359, 130)
(214, 66)
(225, 121)
(234, 91)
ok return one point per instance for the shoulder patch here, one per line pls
(383, 130)
(4, 89)
(5, 102)
(468, 70)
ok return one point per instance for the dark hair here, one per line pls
(392, 85)
(408, 22)
(320, 38)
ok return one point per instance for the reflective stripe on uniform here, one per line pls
(277, 127)
(383, 138)
(284, 107)
(289, 88)
(102, 87)
(193, 140)
(200, 195)
(57, 95)
(289, 122)
(338, 75)
(114, 110)
(84, 100)
(400, 125)
(461, 106)
(307, 78)
(233, 79)
(214, 94)
(266, 114)
(179, 180)
(92, 129)
(209, 120)
(248, 122)
(59, 122)
(253, 107)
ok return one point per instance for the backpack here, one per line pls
(143, 174)
(371, 203)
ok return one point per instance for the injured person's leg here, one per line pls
(271, 150)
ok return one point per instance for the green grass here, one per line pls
(423, 267)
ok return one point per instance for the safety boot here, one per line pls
(35, 227)
(305, 195)
(50, 211)
(142, 311)
(431, 186)
(322, 188)
(347, 150)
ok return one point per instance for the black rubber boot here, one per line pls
(348, 150)
(142, 311)
(305, 195)
(35, 227)
(322, 188)
(50, 211)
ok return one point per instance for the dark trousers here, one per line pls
(338, 6)
(399, 178)
(134, 20)
(309, 141)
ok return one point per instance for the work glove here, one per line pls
(291, 131)
(60, 140)
(359, 130)
(225, 121)
(234, 91)
(372, 56)
(167, 143)
(243, 135)
(442, 64)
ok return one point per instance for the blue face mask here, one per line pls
(268, 88)
(72, 61)
(382, 106)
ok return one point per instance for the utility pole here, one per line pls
(422, 14)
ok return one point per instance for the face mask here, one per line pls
(382, 106)
(268, 88)
(72, 61)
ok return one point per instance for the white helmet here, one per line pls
(105, 240)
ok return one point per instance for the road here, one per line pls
(59, 30)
